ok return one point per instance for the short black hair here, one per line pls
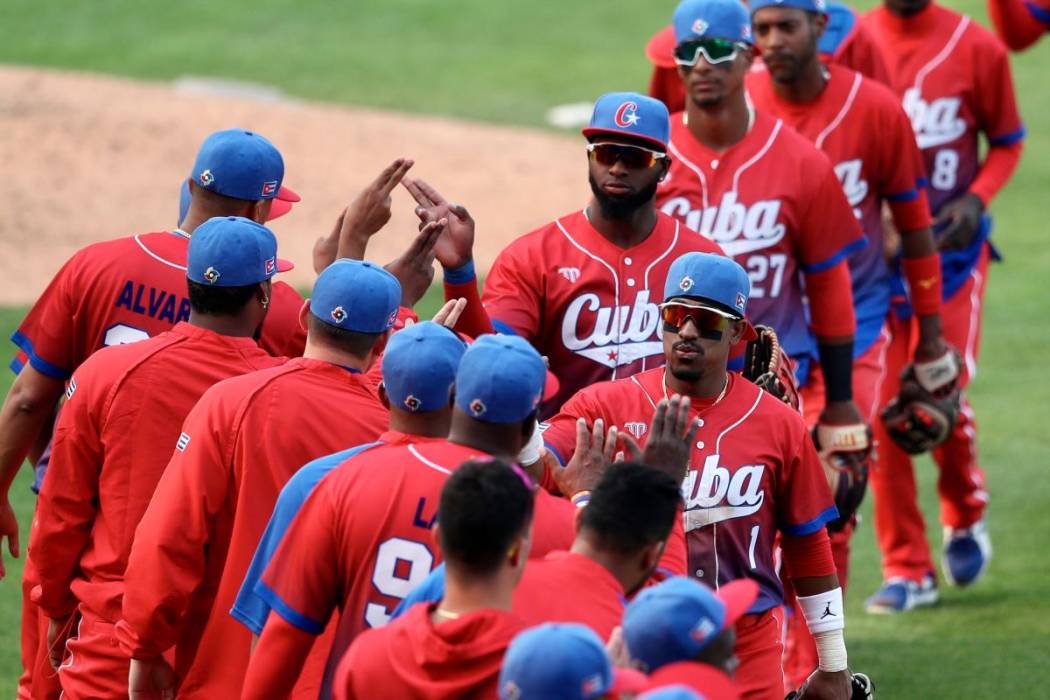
(357, 344)
(632, 507)
(219, 301)
(484, 506)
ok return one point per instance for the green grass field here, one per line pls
(509, 63)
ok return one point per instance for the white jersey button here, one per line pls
(714, 163)
(700, 422)
(700, 445)
(630, 281)
(627, 261)
(699, 573)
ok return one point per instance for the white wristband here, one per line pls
(823, 612)
(831, 651)
(530, 453)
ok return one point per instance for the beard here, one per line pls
(691, 374)
(620, 208)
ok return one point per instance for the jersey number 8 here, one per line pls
(417, 559)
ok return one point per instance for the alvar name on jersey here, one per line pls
(936, 122)
(612, 335)
(156, 303)
(715, 494)
(738, 228)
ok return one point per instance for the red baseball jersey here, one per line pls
(587, 593)
(362, 540)
(888, 169)
(113, 440)
(412, 657)
(773, 203)
(125, 290)
(753, 472)
(953, 77)
(584, 302)
(240, 444)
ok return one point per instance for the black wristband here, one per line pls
(836, 361)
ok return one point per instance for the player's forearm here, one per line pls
(996, 170)
(1015, 23)
(26, 411)
(922, 269)
(463, 284)
(277, 660)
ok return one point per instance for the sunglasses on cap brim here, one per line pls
(714, 51)
(710, 323)
(638, 157)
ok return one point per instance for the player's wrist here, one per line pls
(462, 274)
(826, 620)
(831, 651)
(580, 499)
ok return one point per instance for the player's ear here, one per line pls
(384, 398)
(818, 21)
(434, 539)
(303, 322)
(259, 211)
(652, 554)
(578, 519)
(736, 331)
(452, 396)
(665, 167)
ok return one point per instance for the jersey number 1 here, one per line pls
(386, 578)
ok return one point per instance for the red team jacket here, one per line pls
(773, 203)
(125, 290)
(363, 540)
(753, 472)
(841, 122)
(414, 658)
(240, 444)
(584, 302)
(112, 442)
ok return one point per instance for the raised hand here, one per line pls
(449, 314)
(670, 438)
(594, 452)
(414, 268)
(369, 211)
(455, 248)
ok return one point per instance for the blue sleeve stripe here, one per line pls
(922, 183)
(15, 365)
(461, 275)
(249, 620)
(38, 363)
(1038, 12)
(837, 257)
(501, 327)
(290, 614)
(1007, 139)
(906, 196)
(811, 526)
(557, 455)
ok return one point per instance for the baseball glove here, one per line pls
(924, 412)
(845, 453)
(861, 688)
(767, 365)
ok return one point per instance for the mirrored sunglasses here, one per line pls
(632, 156)
(715, 51)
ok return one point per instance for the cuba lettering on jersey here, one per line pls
(840, 122)
(753, 472)
(773, 203)
(953, 79)
(123, 291)
(590, 306)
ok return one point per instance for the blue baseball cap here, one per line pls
(677, 619)
(806, 5)
(560, 661)
(419, 366)
(240, 164)
(715, 281)
(356, 296)
(500, 379)
(231, 251)
(631, 114)
(671, 692)
(712, 19)
(282, 203)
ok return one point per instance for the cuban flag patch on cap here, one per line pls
(271, 266)
(269, 188)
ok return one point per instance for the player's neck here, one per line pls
(722, 125)
(468, 594)
(627, 232)
(611, 562)
(810, 83)
(431, 424)
(317, 351)
(707, 388)
(233, 326)
(498, 440)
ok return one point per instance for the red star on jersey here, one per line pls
(612, 354)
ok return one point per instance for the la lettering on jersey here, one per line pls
(753, 471)
(126, 290)
(953, 78)
(587, 304)
(773, 203)
(841, 122)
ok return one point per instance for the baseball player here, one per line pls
(845, 42)
(113, 441)
(620, 538)
(582, 288)
(754, 472)
(452, 650)
(116, 292)
(769, 198)
(837, 109)
(362, 540)
(239, 444)
(1020, 23)
(953, 78)
(683, 620)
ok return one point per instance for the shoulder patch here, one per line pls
(182, 442)
(71, 388)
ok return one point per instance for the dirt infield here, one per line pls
(88, 157)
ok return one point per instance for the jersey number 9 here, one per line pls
(417, 562)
